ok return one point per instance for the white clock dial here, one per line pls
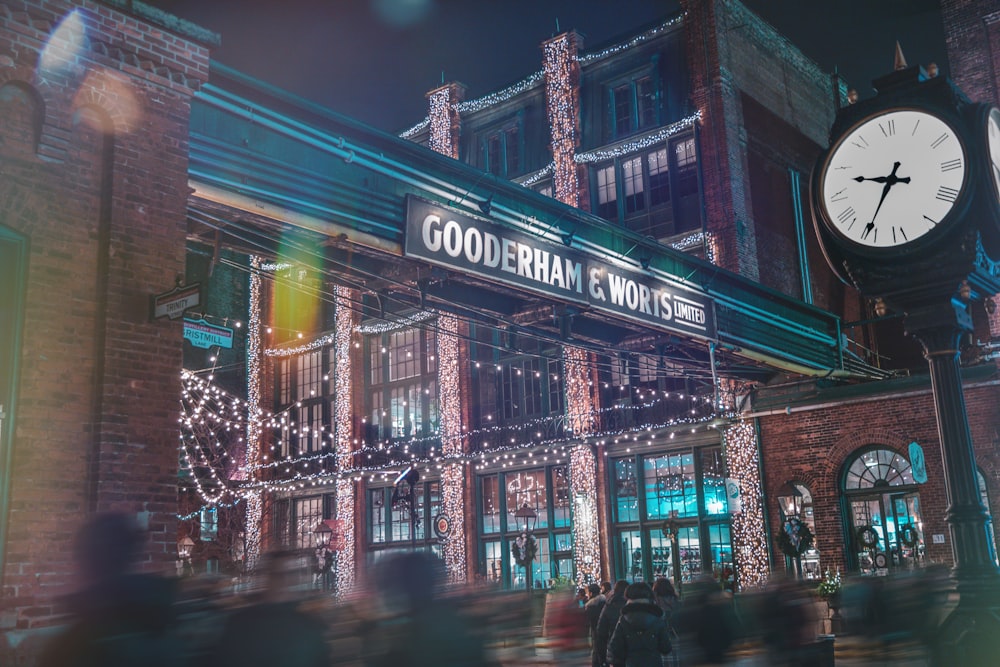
(993, 135)
(893, 178)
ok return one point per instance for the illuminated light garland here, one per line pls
(280, 352)
(480, 103)
(562, 89)
(743, 461)
(690, 241)
(197, 512)
(396, 324)
(275, 266)
(640, 143)
(586, 539)
(632, 43)
(347, 556)
(579, 408)
(406, 134)
(255, 501)
(542, 173)
(712, 247)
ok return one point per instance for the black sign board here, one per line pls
(449, 238)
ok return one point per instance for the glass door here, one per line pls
(907, 545)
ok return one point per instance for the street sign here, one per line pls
(172, 304)
(205, 335)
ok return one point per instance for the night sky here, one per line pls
(375, 60)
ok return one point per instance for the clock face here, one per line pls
(993, 137)
(892, 179)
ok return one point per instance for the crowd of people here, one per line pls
(406, 616)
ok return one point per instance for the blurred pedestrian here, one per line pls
(607, 621)
(592, 610)
(417, 628)
(641, 638)
(121, 618)
(273, 630)
(707, 623)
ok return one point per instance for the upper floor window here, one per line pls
(402, 391)
(502, 151)
(302, 386)
(654, 192)
(633, 105)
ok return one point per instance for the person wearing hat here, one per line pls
(641, 636)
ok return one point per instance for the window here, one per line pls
(308, 514)
(634, 106)
(654, 193)
(884, 512)
(392, 523)
(302, 394)
(209, 524)
(502, 152)
(683, 492)
(402, 393)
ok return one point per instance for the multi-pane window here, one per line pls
(392, 520)
(670, 486)
(502, 152)
(634, 106)
(302, 395)
(308, 514)
(546, 491)
(209, 524)
(654, 193)
(402, 393)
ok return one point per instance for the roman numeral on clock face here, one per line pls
(846, 214)
(940, 140)
(948, 165)
(946, 194)
(888, 128)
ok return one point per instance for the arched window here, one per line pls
(882, 503)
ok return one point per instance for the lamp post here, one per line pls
(526, 545)
(324, 557)
(670, 529)
(790, 503)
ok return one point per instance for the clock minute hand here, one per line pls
(889, 181)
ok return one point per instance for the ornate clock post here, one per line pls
(905, 204)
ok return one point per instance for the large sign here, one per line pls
(457, 241)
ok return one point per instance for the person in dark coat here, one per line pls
(274, 630)
(593, 609)
(641, 637)
(120, 618)
(607, 621)
(419, 628)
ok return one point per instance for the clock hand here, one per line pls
(889, 181)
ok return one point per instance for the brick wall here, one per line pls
(972, 35)
(812, 445)
(94, 162)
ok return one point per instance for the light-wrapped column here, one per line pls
(749, 543)
(453, 474)
(343, 408)
(562, 101)
(444, 119)
(579, 393)
(586, 539)
(254, 496)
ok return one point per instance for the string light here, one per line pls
(443, 121)
(347, 556)
(632, 43)
(579, 397)
(396, 324)
(655, 138)
(452, 477)
(743, 461)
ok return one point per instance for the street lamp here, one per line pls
(790, 500)
(324, 557)
(184, 548)
(525, 547)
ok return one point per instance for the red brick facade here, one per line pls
(94, 110)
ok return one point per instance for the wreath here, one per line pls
(868, 537)
(908, 534)
(794, 538)
(523, 549)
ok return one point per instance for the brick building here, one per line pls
(655, 360)
(94, 107)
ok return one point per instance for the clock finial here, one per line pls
(900, 60)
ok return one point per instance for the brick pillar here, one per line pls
(972, 35)
(562, 102)
(445, 121)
